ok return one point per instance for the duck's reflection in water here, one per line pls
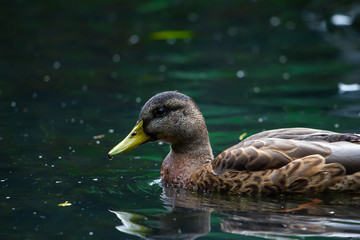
(189, 217)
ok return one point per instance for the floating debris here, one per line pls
(304, 206)
(65, 204)
(99, 136)
(343, 88)
(341, 20)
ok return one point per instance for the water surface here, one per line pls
(75, 75)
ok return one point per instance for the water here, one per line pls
(75, 75)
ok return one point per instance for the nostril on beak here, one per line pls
(133, 134)
(109, 157)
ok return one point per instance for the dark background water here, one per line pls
(74, 75)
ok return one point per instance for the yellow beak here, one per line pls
(136, 137)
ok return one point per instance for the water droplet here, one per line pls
(84, 87)
(232, 31)
(114, 75)
(275, 21)
(240, 74)
(134, 39)
(256, 89)
(285, 76)
(193, 17)
(46, 78)
(138, 100)
(116, 58)
(336, 125)
(282, 59)
(95, 179)
(40, 156)
(112, 17)
(218, 36)
(13, 104)
(34, 95)
(162, 68)
(255, 49)
(171, 41)
(63, 104)
(91, 233)
(111, 130)
(290, 25)
(56, 65)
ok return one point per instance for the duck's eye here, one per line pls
(159, 112)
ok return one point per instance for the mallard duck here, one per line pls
(288, 160)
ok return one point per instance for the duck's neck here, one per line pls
(185, 158)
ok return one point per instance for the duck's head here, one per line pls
(170, 117)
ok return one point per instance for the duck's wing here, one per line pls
(307, 134)
(276, 148)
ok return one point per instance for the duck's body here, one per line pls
(292, 160)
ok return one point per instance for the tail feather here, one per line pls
(347, 183)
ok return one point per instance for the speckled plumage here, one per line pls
(292, 160)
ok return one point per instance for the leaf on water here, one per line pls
(65, 204)
(165, 35)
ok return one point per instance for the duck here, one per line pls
(279, 161)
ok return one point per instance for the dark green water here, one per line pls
(74, 75)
